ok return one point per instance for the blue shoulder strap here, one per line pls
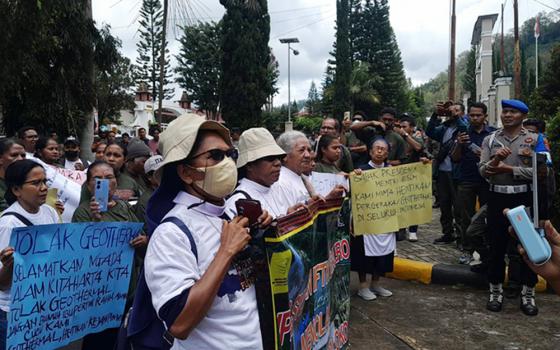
(186, 231)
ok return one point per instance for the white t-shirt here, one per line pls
(46, 215)
(70, 164)
(232, 321)
(289, 190)
(263, 194)
(382, 244)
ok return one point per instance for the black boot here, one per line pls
(528, 305)
(496, 298)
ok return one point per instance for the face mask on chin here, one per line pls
(220, 179)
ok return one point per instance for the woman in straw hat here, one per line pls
(189, 263)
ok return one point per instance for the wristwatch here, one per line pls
(405, 135)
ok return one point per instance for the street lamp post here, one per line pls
(289, 41)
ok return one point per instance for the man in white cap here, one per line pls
(259, 164)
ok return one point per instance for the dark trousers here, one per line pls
(447, 188)
(499, 237)
(467, 194)
(477, 233)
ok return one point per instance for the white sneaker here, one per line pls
(366, 294)
(412, 237)
(380, 291)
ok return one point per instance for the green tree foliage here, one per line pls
(343, 57)
(468, 75)
(149, 49)
(545, 101)
(327, 87)
(113, 78)
(365, 38)
(46, 65)
(381, 52)
(545, 105)
(308, 125)
(313, 103)
(245, 85)
(199, 67)
(363, 88)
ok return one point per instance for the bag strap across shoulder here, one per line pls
(177, 222)
(247, 196)
(20, 217)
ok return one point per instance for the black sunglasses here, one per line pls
(219, 155)
(273, 158)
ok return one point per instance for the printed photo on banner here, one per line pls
(323, 183)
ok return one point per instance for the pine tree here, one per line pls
(246, 81)
(327, 87)
(199, 66)
(149, 49)
(388, 56)
(343, 56)
(313, 103)
(469, 78)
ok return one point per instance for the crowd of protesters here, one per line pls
(183, 184)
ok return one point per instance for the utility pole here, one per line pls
(162, 61)
(451, 90)
(502, 51)
(537, 34)
(86, 137)
(517, 53)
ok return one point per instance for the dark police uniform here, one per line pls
(508, 191)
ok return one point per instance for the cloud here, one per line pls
(421, 29)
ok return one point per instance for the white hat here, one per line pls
(257, 143)
(177, 141)
(153, 163)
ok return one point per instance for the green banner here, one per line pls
(309, 278)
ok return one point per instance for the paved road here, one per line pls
(424, 249)
(449, 317)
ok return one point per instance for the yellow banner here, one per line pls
(385, 200)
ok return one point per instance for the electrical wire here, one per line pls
(547, 6)
(304, 26)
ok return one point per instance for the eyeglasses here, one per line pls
(37, 183)
(219, 155)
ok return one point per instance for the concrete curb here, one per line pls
(411, 270)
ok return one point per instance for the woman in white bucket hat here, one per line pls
(259, 163)
(188, 271)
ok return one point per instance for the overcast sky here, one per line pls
(421, 27)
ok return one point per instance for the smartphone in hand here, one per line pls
(249, 208)
(102, 193)
(533, 240)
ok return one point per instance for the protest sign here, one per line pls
(323, 183)
(387, 199)
(68, 280)
(69, 186)
(309, 271)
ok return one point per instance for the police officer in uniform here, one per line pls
(506, 161)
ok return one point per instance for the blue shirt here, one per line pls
(468, 166)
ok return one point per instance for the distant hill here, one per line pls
(436, 89)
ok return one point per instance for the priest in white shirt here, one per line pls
(259, 164)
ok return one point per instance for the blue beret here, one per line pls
(516, 104)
